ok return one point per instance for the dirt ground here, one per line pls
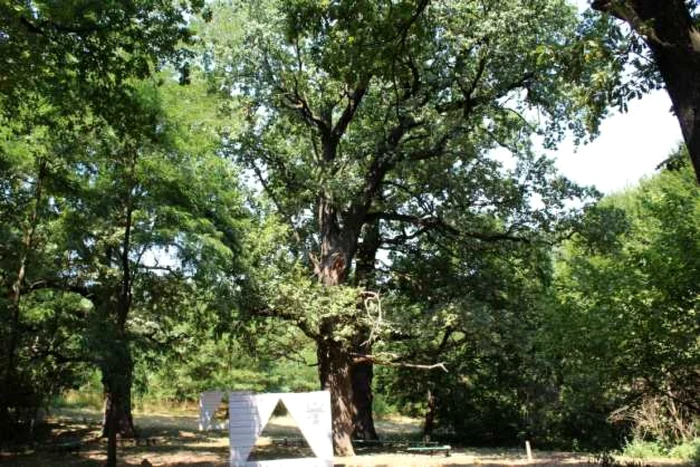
(72, 439)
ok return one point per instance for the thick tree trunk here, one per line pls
(334, 372)
(681, 73)
(333, 353)
(362, 374)
(116, 379)
(117, 406)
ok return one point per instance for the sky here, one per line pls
(630, 146)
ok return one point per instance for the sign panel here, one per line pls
(208, 404)
(249, 413)
(312, 412)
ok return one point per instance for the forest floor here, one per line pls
(71, 439)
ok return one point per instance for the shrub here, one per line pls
(689, 451)
(643, 449)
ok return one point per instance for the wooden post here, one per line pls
(528, 450)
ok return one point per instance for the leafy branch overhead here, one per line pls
(347, 110)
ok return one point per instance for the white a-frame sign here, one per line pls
(208, 403)
(249, 413)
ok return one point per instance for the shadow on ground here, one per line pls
(71, 438)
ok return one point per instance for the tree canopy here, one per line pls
(248, 194)
(377, 119)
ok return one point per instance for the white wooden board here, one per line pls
(208, 403)
(249, 413)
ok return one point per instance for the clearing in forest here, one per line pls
(71, 438)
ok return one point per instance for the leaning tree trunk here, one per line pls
(681, 73)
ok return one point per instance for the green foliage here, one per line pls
(71, 52)
(688, 451)
(89, 395)
(643, 449)
(212, 362)
(69, 92)
(166, 229)
(384, 112)
(134, 230)
(378, 119)
(626, 325)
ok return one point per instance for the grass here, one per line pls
(639, 449)
(688, 451)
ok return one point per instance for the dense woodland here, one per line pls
(352, 195)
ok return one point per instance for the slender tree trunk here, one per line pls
(15, 299)
(429, 424)
(117, 371)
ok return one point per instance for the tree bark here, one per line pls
(334, 372)
(429, 424)
(363, 372)
(117, 375)
(668, 29)
(334, 360)
(117, 368)
(117, 381)
(363, 426)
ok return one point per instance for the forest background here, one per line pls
(277, 196)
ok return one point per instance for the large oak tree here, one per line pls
(366, 123)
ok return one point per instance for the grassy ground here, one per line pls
(174, 441)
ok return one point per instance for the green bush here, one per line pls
(88, 396)
(644, 449)
(689, 451)
(382, 407)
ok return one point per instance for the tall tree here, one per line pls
(63, 61)
(148, 212)
(132, 213)
(669, 29)
(35, 165)
(362, 114)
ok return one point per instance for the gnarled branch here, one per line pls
(379, 360)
